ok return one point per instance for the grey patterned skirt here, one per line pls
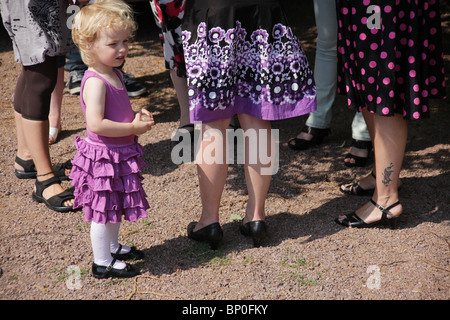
(38, 28)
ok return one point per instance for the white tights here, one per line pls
(104, 240)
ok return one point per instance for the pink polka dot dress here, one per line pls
(390, 55)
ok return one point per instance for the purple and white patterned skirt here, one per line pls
(242, 57)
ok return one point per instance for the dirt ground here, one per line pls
(46, 255)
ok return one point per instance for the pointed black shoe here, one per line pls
(102, 272)
(255, 229)
(212, 234)
(133, 254)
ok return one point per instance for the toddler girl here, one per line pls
(106, 169)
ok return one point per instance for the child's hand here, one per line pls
(143, 121)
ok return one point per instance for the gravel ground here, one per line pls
(307, 256)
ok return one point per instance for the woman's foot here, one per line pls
(359, 153)
(371, 214)
(211, 233)
(50, 191)
(256, 229)
(53, 134)
(364, 187)
(307, 138)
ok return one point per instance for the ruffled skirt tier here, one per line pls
(108, 182)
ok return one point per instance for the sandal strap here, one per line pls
(42, 185)
(109, 268)
(60, 168)
(385, 211)
(316, 132)
(361, 144)
(118, 250)
(27, 165)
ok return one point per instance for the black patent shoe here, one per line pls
(255, 229)
(102, 272)
(353, 221)
(302, 144)
(212, 234)
(133, 254)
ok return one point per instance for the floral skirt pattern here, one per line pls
(242, 57)
(168, 17)
(390, 57)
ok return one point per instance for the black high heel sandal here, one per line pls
(359, 161)
(255, 229)
(356, 190)
(212, 234)
(302, 144)
(353, 221)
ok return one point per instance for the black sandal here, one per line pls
(317, 139)
(352, 220)
(356, 190)
(56, 202)
(29, 169)
(359, 161)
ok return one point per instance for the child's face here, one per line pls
(111, 47)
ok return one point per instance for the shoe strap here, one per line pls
(42, 185)
(118, 250)
(385, 211)
(27, 165)
(109, 268)
(361, 144)
(315, 132)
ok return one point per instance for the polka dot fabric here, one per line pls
(390, 55)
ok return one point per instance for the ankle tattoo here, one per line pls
(387, 174)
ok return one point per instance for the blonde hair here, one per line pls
(93, 18)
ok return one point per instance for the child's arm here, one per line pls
(94, 98)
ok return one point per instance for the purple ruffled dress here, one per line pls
(106, 171)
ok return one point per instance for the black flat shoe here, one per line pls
(359, 161)
(56, 202)
(212, 234)
(29, 170)
(255, 229)
(102, 272)
(353, 221)
(302, 144)
(133, 254)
